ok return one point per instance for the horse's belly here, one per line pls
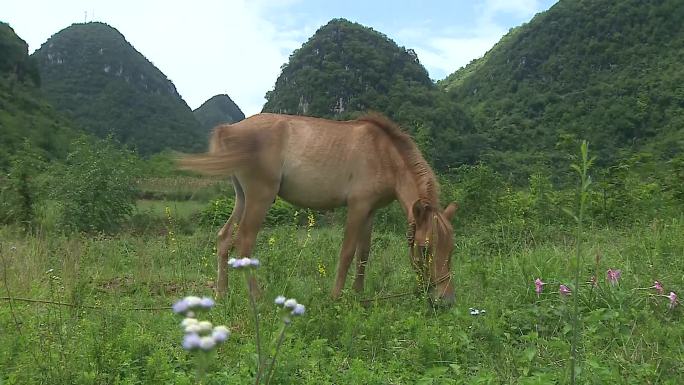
(322, 191)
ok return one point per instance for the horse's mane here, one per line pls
(428, 188)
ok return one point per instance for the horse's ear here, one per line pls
(420, 211)
(450, 211)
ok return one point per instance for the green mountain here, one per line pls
(24, 112)
(218, 109)
(345, 69)
(609, 71)
(93, 75)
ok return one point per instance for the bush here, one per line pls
(94, 189)
(217, 212)
(19, 191)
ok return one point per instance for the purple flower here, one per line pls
(658, 287)
(206, 303)
(243, 262)
(538, 286)
(613, 276)
(191, 341)
(180, 307)
(280, 300)
(189, 304)
(298, 309)
(673, 299)
(290, 303)
(220, 333)
(564, 290)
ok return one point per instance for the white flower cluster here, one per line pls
(202, 334)
(290, 306)
(243, 263)
(191, 304)
(199, 334)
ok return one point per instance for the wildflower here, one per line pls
(193, 302)
(538, 285)
(187, 305)
(290, 303)
(180, 307)
(564, 290)
(206, 303)
(673, 299)
(220, 333)
(193, 328)
(298, 309)
(476, 311)
(207, 343)
(189, 321)
(280, 300)
(613, 276)
(205, 326)
(658, 287)
(191, 341)
(243, 262)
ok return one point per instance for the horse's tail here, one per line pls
(229, 150)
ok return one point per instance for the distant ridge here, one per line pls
(92, 74)
(607, 71)
(217, 110)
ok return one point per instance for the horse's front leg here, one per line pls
(356, 217)
(256, 206)
(362, 251)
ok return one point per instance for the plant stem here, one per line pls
(584, 187)
(252, 302)
(275, 354)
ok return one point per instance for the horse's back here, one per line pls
(323, 163)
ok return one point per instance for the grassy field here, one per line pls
(629, 335)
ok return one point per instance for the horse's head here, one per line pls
(431, 243)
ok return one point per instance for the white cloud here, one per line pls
(205, 47)
(444, 55)
(443, 52)
(237, 47)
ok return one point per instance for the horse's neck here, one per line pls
(407, 190)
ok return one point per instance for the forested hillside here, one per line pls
(608, 71)
(24, 113)
(93, 75)
(345, 69)
(218, 109)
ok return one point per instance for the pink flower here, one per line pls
(658, 287)
(613, 276)
(564, 290)
(673, 299)
(538, 285)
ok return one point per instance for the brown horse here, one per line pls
(315, 163)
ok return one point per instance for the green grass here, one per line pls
(183, 188)
(628, 335)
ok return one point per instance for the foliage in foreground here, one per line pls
(629, 334)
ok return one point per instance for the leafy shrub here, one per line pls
(94, 188)
(19, 190)
(217, 212)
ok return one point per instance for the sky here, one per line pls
(237, 47)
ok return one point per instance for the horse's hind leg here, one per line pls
(225, 238)
(362, 251)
